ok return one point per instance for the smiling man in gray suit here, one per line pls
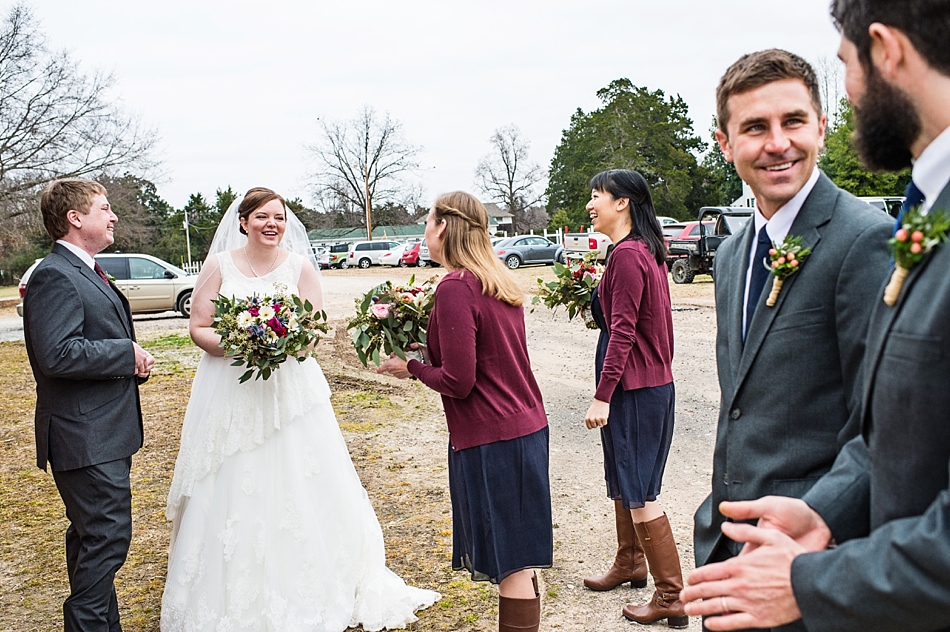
(886, 502)
(87, 366)
(787, 373)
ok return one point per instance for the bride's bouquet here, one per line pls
(573, 289)
(389, 318)
(261, 332)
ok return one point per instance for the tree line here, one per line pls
(58, 121)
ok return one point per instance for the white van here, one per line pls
(367, 253)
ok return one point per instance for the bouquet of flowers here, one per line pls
(917, 237)
(389, 318)
(261, 332)
(573, 289)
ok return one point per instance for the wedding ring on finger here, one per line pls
(722, 601)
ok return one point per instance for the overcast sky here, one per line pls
(235, 88)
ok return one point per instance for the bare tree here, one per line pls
(508, 177)
(362, 161)
(56, 121)
(830, 76)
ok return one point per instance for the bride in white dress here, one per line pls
(272, 529)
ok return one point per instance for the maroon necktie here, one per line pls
(101, 273)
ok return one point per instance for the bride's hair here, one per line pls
(465, 245)
(253, 200)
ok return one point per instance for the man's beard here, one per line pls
(886, 124)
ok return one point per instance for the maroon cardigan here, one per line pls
(635, 297)
(478, 355)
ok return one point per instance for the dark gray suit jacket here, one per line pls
(887, 500)
(789, 392)
(79, 339)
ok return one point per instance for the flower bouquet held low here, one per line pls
(786, 259)
(573, 288)
(390, 318)
(262, 332)
(918, 235)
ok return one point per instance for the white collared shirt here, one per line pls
(79, 252)
(777, 229)
(932, 169)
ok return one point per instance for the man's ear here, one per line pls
(723, 141)
(74, 218)
(888, 50)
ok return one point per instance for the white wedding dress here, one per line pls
(272, 527)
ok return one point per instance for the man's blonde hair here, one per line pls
(61, 196)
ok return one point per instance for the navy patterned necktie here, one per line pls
(914, 197)
(759, 274)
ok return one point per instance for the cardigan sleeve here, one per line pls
(627, 281)
(456, 330)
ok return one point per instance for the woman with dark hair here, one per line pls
(633, 403)
(498, 430)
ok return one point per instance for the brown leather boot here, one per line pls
(520, 615)
(629, 564)
(656, 537)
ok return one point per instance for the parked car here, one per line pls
(424, 259)
(577, 245)
(393, 257)
(666, 220)
(411, 256)
(688, 230)
(322, 255)
(695, 256)
(149, 284)
(889, 204)
(527, 249)
(338, 255)
(367, 253)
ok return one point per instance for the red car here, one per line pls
(687, 230)
(411, 256)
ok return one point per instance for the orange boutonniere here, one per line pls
(917, 237)
(786, 258)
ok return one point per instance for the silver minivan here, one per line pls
(367, 253)
(149, 284)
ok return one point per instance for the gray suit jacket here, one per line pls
(79, 340)
(790, 391)
(887, 500)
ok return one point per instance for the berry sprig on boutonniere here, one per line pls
(917, 237)
(786, 259)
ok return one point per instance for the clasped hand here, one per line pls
(754, 590)
(144, 362)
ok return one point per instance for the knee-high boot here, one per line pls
(656, 537)
(629, 564)
(520, 615)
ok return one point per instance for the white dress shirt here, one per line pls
(79, 252)
(932, 169)
(777, 229)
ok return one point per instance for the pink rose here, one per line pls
(380, 310)
(780, 260)
(916, 248)
(772, 252)
(775, 264)
(253, 311)
(793, 263)
(917, 236)
(901, 234)
(277, 327)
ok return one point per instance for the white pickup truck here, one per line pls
(576, 245)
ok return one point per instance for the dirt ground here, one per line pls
(397, 438)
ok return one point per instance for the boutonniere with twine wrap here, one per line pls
(786, 258)
(917, 237)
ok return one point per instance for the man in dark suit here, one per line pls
(87, 366)
(886, 502)
(786, 372)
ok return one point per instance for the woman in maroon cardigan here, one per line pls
(633, 404)
(498, 430)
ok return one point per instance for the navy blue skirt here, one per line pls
(638, 434)
(501, 507)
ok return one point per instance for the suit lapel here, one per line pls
(815, 212)
(112, 293)
(883, 317)
(735, 299)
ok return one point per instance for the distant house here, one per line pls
(499, 221)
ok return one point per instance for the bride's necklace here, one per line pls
(269, 270)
